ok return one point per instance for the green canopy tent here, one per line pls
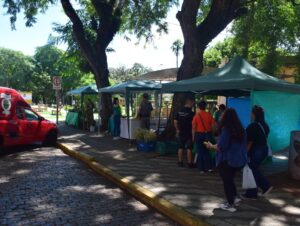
(84, 90)
(81, 91)
(89, 89)
(280, 99)
(237, 78)
(127, 88)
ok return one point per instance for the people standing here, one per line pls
(183, 125)
(218, 114)
(231, 155)
(257, 135)
(116, 118)
(144, 112)
(202, 130)
(89, 113)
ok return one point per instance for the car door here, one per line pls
(31, 126)
(13, 129)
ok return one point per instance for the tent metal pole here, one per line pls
(81, 107)
(127, 112)
(99, 110)
(159, 112)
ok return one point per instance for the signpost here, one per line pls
(56, 82)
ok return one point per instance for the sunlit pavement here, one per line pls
(43, 186)
(198, 193)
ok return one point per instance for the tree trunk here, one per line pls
(101, 76)
(196, 38)
(95, 53)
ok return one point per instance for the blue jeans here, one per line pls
(204, 161)
(256, 156)
(117, 122)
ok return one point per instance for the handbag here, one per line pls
(248, 178)
(270, 152)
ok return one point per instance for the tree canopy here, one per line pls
(16, 69)
(95, 23)
(33, 73)
(270, 29)
(122, 74)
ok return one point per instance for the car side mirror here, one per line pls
(41, 119)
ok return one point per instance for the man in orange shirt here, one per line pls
(202, 129)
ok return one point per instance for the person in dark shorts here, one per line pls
(144, 112)
(183, 125)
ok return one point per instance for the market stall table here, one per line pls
(135, 124)
(72, 118)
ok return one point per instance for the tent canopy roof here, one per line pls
(169, 74)
(133, 85)
(237, 78)
(89, 89)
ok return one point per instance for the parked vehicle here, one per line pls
(20, 124)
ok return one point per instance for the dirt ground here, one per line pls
(285, 183)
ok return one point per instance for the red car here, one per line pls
(20, 125)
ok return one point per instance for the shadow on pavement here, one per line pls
(198, 193)
(17, 149)
(44, 186)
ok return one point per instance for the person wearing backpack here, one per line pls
(144, 112)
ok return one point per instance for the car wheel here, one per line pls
(50, 139)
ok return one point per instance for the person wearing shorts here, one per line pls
(183, 125)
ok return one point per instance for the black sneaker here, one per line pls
(180, 164)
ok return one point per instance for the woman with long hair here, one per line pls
(116, 118)
(231, 155)
(257, 135)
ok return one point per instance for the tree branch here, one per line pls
(295, 2)
(187, 17)
(78, 30)
(110, 21)
(220, 15)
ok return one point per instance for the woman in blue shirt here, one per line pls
(116, 118)
(231, 155)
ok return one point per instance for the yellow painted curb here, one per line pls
(172, 211)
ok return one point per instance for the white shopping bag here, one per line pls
(248, 178)
(270, 152)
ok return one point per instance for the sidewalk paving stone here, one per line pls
(198, 193)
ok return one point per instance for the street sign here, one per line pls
(56, 82)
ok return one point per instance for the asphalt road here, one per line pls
(43, 186)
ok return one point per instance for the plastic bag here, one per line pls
(248, 178)
(270, 152)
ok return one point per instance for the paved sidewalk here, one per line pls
(200, 194)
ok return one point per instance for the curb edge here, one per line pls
(163, 206)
